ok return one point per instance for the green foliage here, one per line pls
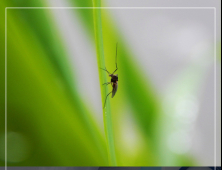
(47, 113)
(43, 99)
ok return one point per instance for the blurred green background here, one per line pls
(54, 108)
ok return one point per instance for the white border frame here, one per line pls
(215, 60)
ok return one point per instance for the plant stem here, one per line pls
(102, 75)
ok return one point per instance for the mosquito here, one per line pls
(114, 80)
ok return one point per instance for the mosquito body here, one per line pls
(113, 82)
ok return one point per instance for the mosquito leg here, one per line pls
(106, 98)
(116, 59)
(105, 70)
(107, 83)
(115, 70)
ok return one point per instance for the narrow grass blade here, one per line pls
(102, 76)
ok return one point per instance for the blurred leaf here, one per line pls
(2, 77)
(36, 74)
(37, 91)
(180, 108)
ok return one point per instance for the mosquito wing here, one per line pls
(115, 86)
